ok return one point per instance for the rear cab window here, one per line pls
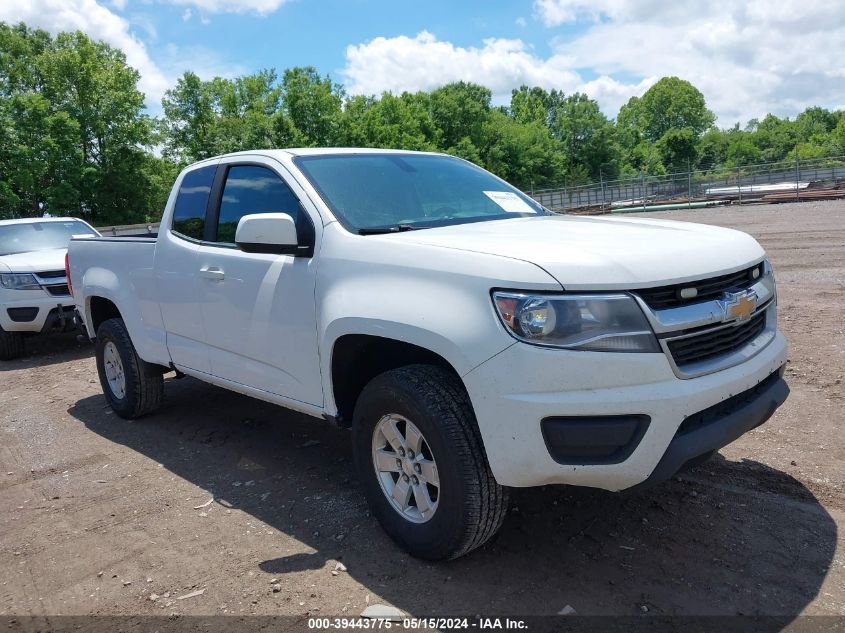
(189, 212)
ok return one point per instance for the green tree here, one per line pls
(189, 119)
(814, 124)
(394, 122)
(838, 137)
(524, 154)
(741, 151)
(313, 105)
(458, 112)
(534, 105)
(713, 148)
(587, 136)
(74, 128)
(774, 137)
(671, 103)
(678, 149)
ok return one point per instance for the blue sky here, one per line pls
(317, 32)
(748, 57)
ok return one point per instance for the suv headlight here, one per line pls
(590, 322)
(19, 281)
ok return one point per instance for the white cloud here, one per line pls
(748, 57)
(99, 23)
(261, 7)
(556, 12)
(424, 62)
(520, 21)
(145, 23)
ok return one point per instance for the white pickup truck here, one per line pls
(472, 340)
(34, 297)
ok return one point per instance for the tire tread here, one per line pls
(149, 382)
(11, 345)
(448, 401)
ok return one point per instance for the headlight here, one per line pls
(590, 322)
(19, 281)
(769, 279)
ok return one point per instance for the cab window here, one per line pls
(252, 189)
(192, 201)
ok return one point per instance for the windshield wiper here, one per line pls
(395, 228)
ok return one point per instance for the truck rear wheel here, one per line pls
(420, 459)
(132, 386)
(11, 345)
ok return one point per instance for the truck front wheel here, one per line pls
(421, 462)
(132, 386)
(11, 345)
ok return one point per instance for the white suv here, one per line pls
(34, 296)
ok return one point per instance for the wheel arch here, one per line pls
(358, 358)
(99, 310)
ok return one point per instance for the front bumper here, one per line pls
(516, 389)
(35, 311)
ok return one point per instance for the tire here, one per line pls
(11, 345)
(470, 504)
(143, 383)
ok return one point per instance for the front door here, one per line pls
(259, 309)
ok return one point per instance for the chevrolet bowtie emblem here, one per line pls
(739, 306)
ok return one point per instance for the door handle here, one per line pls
(213, 273)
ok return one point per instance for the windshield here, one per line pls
(39, 236)
(407, 191)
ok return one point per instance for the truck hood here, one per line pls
(598, 253)
(34, 262)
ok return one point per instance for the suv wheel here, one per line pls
(419, 456)
(11, 345)
(132, 386)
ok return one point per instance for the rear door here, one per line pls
(176, 271)
(259, 309)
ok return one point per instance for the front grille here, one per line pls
(726, 407)
(59, 290)
(716, 342)
(706, 289)
(51, 274)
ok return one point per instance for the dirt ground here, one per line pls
(98, 514)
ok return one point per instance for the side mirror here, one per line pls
(267, 233)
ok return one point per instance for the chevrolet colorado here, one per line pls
(471, 339)
(34, 297)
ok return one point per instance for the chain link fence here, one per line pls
(769, 182)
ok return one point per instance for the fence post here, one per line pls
(601, 184)
(569, 198)
(797, 177)
(642, 188)
(739, 186)
(689, 184)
